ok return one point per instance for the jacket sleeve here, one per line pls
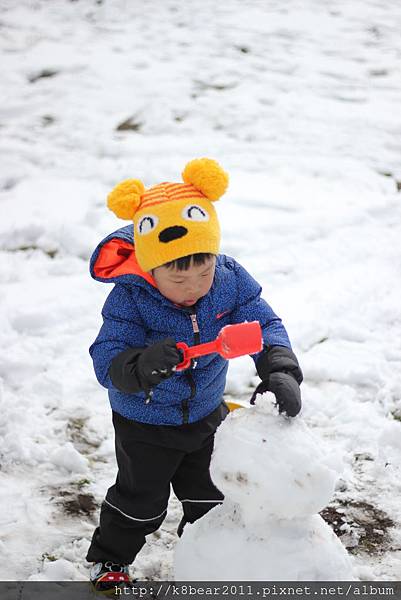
(122, 329)
(251, 307)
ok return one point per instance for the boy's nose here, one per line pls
(192, 289)
(172, 233)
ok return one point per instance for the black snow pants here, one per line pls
(150, 458)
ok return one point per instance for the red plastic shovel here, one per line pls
(232, 341)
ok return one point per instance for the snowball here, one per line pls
(220, 547)
(272, 465)
(69, 458)
(389, 443)
(58, 570)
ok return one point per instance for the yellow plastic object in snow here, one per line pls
(233, 406)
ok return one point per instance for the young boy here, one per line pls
(171, 284)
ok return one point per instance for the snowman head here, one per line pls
(279, 468)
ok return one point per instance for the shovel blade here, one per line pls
(239, 339)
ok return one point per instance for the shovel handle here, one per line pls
(186, 361)
(190, 352)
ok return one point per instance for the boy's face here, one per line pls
(185, 287)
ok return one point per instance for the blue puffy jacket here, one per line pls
(136, 314)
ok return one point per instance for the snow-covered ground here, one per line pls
(299, 102)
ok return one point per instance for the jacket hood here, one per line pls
(114, 259)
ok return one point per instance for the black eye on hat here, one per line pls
(172, 233)
(147, 224)
(194, 212)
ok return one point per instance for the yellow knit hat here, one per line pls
(172, 220)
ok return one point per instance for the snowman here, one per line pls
(276, 476)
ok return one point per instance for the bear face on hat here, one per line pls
(172, 220)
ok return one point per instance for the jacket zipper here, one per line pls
(195, 328)
(188, 374)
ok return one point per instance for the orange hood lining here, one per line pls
(117, 257)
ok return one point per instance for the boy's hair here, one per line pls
(184, 262)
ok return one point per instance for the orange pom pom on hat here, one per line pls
(172, 220)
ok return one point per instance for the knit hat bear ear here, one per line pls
(125, 199)
(207, 176)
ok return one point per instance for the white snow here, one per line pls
(300, 104)
(275, 475)
(68, 458)
(271, 466)
(222, 548)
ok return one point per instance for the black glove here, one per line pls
(281, 374)
(157, 362)
(139, 369)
